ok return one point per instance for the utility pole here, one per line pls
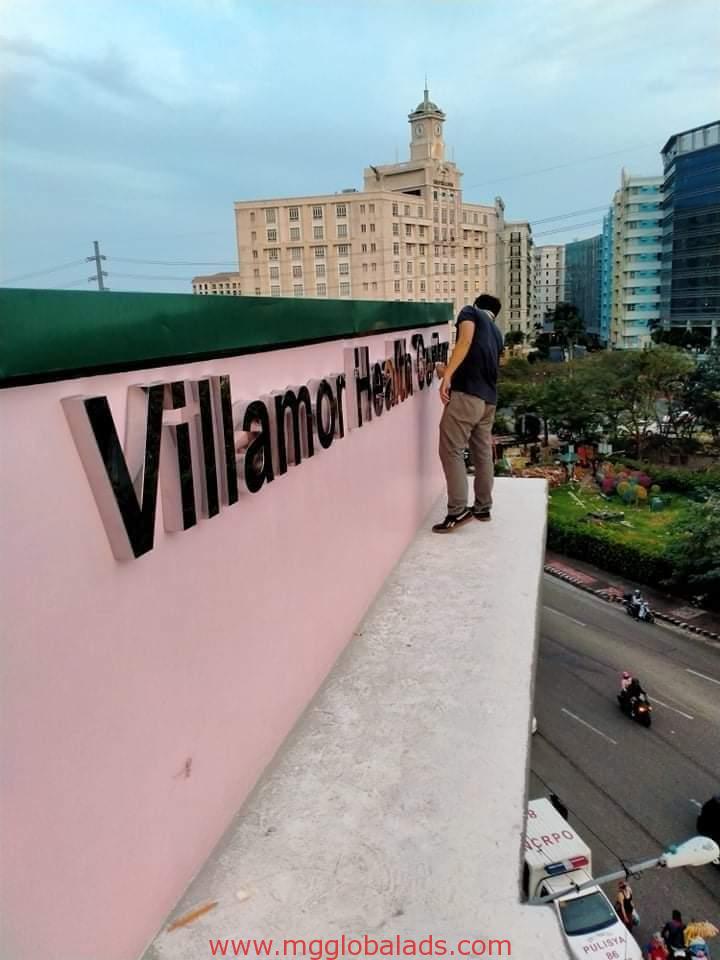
(100, 272)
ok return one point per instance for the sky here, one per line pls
(138, 124)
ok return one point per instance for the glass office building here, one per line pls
(583, 280)
(690, 277)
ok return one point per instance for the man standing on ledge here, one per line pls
(469, 392)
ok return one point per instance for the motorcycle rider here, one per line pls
(631, 692)
(625, 681)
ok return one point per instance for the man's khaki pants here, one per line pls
(467, 422)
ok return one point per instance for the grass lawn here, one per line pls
(640, 526)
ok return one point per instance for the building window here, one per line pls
(253, 236)
(258, 291)
(342, 230)
(272, 236)
(422, 286)
(366, 286)
(319, 269)
(273, 254)
(319, 252)
(270, 215)
(340, 210)
(421, 230)
(364, 248)
(252, 216)
(322, 289)
(294, 233)
(363, 228)
(409, 286)
(297, 272)
(396, 229)
(373, 267)
(421, 213)
(318, 233)
(396, 266)
(344, 269)
(256, 272)
(408, 229)
(374, 285)
(296, 253)
(372, 228)
(396, 249)
(345, 289)
(364, 268)
(317, 213)
(395, 210)
(274, 273)
(397, 286)
(343, 250)
(362, 208)
(409, 267)
(297, 290)
(275, 290)
(371, 208)
(466, 286)
(373, 246)
(294, 213)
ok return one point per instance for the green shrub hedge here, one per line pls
(585, 541)
(677, 479)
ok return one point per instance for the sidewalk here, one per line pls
(673, 609)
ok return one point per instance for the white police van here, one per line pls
(557, 859)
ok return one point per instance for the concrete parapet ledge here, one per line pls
(397, 805)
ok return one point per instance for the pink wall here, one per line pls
(204, 650)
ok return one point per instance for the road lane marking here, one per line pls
(674, 709)
(567, 615)
(703, 675)
(589, 726)
(698, 805)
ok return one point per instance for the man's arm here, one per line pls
(466, 331)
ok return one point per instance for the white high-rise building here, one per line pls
(548, 280)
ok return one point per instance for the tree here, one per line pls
(514, 337)
(694, 548)
(567, 325)
(702, 391)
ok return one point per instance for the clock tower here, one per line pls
(426, 131)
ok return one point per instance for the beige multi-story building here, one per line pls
(549, 280)
(518, 281)
(407, 235)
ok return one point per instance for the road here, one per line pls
(630, 791)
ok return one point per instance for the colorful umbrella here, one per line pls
(700, 928)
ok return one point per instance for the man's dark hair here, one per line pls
(486, 301)
(677, 915)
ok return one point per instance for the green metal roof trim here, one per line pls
(59, 334)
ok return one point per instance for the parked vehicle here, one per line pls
(556, 859)
(708, 822)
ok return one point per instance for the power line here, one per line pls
(96, 258)
(559, 166)
(40, 273)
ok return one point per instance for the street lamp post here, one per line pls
(695, 852)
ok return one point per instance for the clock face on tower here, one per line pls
(419, 130)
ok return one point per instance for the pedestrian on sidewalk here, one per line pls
(656, 949)
(624, 904)
(469, 392)
(674, 931)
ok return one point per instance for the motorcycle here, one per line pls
(639, 610)
(637, 708)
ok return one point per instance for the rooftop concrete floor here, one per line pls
(396, 806)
